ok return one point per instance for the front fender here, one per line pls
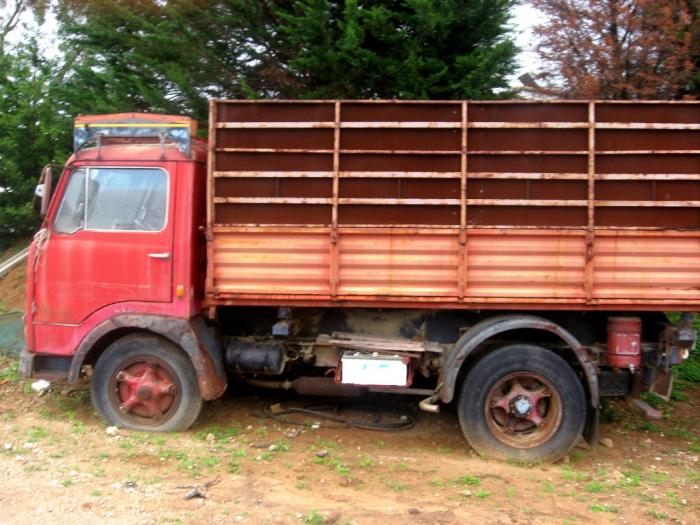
(192, 335)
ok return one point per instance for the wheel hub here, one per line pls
(145, 389)
(520, 406)
(522, 410)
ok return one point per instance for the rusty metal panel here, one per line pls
(544, 264)
(263, 262)
(647, 265)
(397, 263)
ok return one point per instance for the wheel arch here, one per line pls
(488, 328)
(191, 335)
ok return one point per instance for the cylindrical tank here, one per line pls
(624, 342)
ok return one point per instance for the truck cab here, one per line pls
(121, 247)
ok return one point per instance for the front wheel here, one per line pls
(144, 382)
(522, 402)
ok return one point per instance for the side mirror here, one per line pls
(42, 192)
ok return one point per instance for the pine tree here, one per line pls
(173, 56)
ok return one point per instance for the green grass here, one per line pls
(314, 518)
(595, 487)
(604, 508)
(366, 461)
(467, 480)
(394, 485)
(657, 514)
(10, 373)
(221, 434)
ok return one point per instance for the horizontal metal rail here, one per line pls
(456, 202)
(457, 125)
(11, 262)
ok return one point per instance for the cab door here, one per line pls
(110, 241)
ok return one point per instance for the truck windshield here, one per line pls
(114, 199)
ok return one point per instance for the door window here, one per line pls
(114, 199)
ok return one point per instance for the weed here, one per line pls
(78, 428)
(302, 485)
(10, 373)
(569, 474)
(265, 456)
(444, 450)
(98, 472)
(510, 491)
(37, 433)
(96, 493)
(631, 479)
(281, 445)
(381, 444)
(314, 518)
(327, 444)
(657, 478)
(596, 487)
(674, 499)
(339, 467)
(366, 461)
(482, 494)
(221, 434)
(548, 487)
(234, 467)
(211, 461)
(604, 508)
(67, 482)
(394, 485)
(436, 483)
(467, 480)
(647, 426)
(657, 514)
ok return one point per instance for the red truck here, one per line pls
(517, 258)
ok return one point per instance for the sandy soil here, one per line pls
(59, 464)
(12, 289)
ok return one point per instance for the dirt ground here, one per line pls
(60, 464)
(12, 289)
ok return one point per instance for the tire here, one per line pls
(144, 382)
(522, 402)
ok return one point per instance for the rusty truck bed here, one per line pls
(508, 204)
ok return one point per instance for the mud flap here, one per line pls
(591, 432)
(663, 384)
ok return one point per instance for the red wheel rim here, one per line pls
(145, 390)
(523, 410)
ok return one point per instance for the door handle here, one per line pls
(165, 255)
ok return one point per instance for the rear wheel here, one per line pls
(522, 402)
(144, 382)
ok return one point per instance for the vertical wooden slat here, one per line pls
(590, 233)
(213, 115)
(334, 259)
(462, 270)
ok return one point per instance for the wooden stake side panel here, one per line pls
(587, 203)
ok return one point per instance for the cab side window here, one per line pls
(114, 199)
